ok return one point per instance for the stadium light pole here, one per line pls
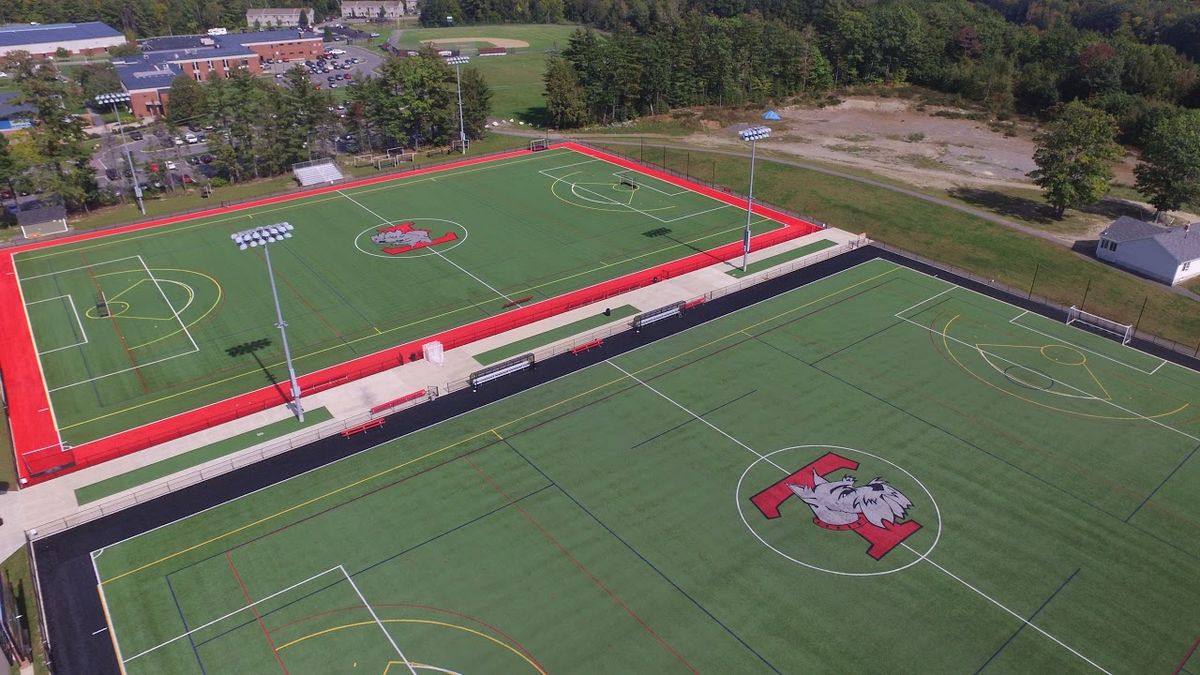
(457, 62)
(262, 236)
(751, 136)
(114, 99)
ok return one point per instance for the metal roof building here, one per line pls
(91, 37)
(1168, 254)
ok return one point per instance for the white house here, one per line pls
(1168, 254)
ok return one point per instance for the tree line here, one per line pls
(258, 128)
(147, 18)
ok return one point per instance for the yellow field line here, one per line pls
(492, 430)
(381, 332)
(443, 624)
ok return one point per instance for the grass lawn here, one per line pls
(16, 572)
(655, 513)
(515, 79)
(781, 258)
(187, 460)
(989, 250)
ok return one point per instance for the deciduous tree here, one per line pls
(1075, 156)
(1169, 173)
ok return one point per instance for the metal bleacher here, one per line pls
(317, 172)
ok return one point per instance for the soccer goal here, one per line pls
(539, 144)
(1122, 331)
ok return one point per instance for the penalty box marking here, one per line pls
(78, 322)
(150, 276)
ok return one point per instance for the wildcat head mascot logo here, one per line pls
(840, 504)
(876, 511)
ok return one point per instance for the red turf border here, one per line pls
(35, 437)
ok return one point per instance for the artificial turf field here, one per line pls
(603, 522)
(192, 322)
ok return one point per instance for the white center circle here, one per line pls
(414, 221)
(739, 500)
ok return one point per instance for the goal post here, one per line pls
(1122, 331)
(539, 144)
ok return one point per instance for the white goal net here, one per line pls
(539, 144)
(1122, 331)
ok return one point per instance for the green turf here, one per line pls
(187, 460)
(542, 339)
(602, 522)
(781, 258)
(193, 322)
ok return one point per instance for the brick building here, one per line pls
(198, 56)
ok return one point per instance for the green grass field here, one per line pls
(515, 79)
(603, 522)
(192, 320)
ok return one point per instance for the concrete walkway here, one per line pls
(55, 499)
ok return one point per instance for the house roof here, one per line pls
(1181, 243)
(8, 106)
(15, 35)
(160, 54)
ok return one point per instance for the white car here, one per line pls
(177, 140)
(337, 52)
(191, 138)
(170, 165)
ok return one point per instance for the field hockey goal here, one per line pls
(539, 144)
(1122, 331)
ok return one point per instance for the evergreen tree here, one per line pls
(477, 102)
(566, 106)
(1075, 156)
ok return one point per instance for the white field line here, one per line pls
(1119, 362)
(112, 634)
(174, 313)
(918, 554)
(384, 221)
(698, 418)
(1020, 618)
(623, 172)
(41, 366)
(77, 322)
(1085, 394)
(614, 202)
(378, 622)
(984, 295)
(81, 267)
(932, 297)
(123, 370)
(233, 613)
(439, 423)
(567, 166)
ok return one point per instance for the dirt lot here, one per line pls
(935, 148)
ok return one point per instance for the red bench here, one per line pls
(347, 433)
(398, 401)
(591, 344)
(510, 303)
(693, 303)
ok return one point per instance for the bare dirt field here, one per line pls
(934, 148)
(507, 43)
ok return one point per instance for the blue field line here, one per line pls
(1027, 621)
(373, 565)
(1164, 482)
(186, 628)
(643, 558)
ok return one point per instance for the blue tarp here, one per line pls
(771, 115)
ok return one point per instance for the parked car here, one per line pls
(111, 173)
(136, 135)
(206, 158)
(171, 165)
(177, 140)
(193, 160)
(191, 138)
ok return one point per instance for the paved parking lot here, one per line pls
(369, 62)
